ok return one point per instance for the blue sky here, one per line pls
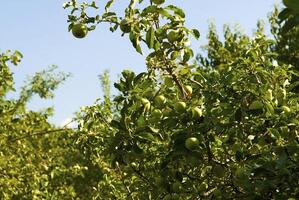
(39, 30)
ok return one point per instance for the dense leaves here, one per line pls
(38, 160)
(221, 126)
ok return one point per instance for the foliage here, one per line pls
(290, 15)
(38, 160)
(241, 108)
(221, 126)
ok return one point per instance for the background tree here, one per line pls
(38, 160)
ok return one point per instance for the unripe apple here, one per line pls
(125, 26)
(256, 105)
(79, 30)
(202, 187)
(268, 95)
(219, 171)
(286, 109)
(175, 196)
(167, 112)
(173, 36)
(157, 114)
(167, 197)
(176, 187)
(134, 165)
(189, 89)
(180, 106)
(191, 143)
(146, 103)
(158, 2)
(160, 100)
(140, 122)
(217, 193)
(281, 95)
(196, 112)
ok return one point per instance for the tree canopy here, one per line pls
(222, 124)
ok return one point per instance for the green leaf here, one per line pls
(176, 10)
(195, 33)
(284, 14)
(135, 40)
(150, 38)
(108, 5)
(165, 13)
(147, 136)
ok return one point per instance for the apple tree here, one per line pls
(223, 126)
(37, 159)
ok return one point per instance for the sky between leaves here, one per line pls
(39, 30)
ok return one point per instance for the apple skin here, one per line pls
(191, 143)
(217, 193)
(202, 187)
(144, 101)
(125, 26)
(256, 105)
(157, 114)
(176, 187)
(79, 30)
(189, 89)
(180, 106)
(286, 109)
(219, 171)
(160, 100)
(158, 2)
(172, 36)
(281, 95)
(196, 112)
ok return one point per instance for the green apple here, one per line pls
(167, 197)
(167, 112)
(146, 103)
(176, 187)
(173, 36)
(281, 95)
(286, 109)
(196, 112)
(256, 105)
(175, 196)
(202, 187)
(79, 30)
(140, 122)
(160, 100)
(217, 193)
(269, 95)
(125, 26)
(149, 94)
(240, 172)
(159, 181)
(189, 89)
(219, 171)
(158, 2)
(157, 114)
(134, 165)
(180, 106)
(191, 143)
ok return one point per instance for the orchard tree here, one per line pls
(224, 126)
(37, 159)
